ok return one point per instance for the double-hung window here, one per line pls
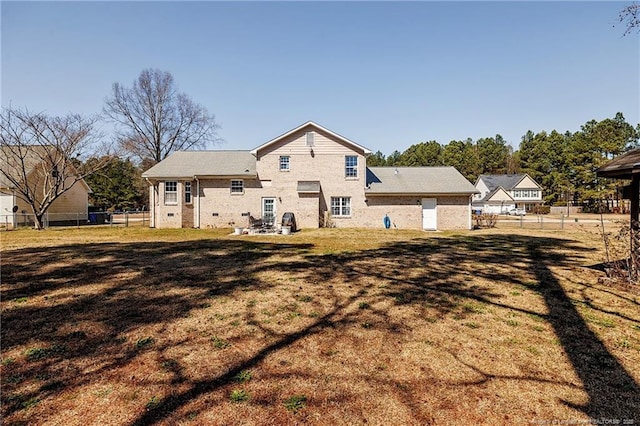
(170, 193)
(237, 187)
(351, 166)
(187, 192)
(285, 163)
(340, 206)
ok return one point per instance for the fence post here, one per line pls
(562, 221)
(521, 221)
(541, 221)
(77, 220)
(126, 219)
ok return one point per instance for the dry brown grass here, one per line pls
(118, 326)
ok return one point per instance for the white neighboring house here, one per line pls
(501, 193)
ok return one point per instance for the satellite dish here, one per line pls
(15, 209)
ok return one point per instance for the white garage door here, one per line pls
(429, 215)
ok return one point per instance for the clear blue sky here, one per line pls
(384, 74)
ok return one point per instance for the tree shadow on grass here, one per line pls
(123, 287)
(601, 373)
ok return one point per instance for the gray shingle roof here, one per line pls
(508, 182)
(417, 180)
(187, 164)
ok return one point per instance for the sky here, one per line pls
(386, 75)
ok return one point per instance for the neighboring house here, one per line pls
(70, 207)
(501, 193)
(311, 171)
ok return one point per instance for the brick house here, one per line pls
(311, 171)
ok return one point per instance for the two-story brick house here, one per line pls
(311, 171)
(501, 193)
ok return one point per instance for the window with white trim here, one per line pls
(351, 166)
(237, 187)
(187, 192)
(285, 162)
(340, 206)
(171, 193)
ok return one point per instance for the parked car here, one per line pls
(517, 212)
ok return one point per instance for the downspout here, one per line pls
(197, 224)
(14, 214)
(152, 205)
(470, 211)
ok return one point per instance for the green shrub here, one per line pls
(541, 210)
(296, 403)
(144, 342)
(243, 376)
(238, 395)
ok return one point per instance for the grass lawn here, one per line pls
(134, 326)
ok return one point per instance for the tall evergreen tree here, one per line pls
(422, 154)
(493, 154)
(596, 143)
(542, 156)
(462, 155)
(376, 160)
(118, 186)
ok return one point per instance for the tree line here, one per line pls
(564, 164)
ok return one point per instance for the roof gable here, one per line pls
(497, 195)
(527, 183)
(312, 125)
(34, 158)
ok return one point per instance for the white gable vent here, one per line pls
(311, 136)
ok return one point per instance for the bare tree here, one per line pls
(630, 17)
(153, 119)
(39, 155)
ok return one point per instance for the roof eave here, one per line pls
(199, 176)
(419, 194)
(618, 172)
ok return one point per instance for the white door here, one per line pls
(429, 215)
(7, 216)
(269, 210)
